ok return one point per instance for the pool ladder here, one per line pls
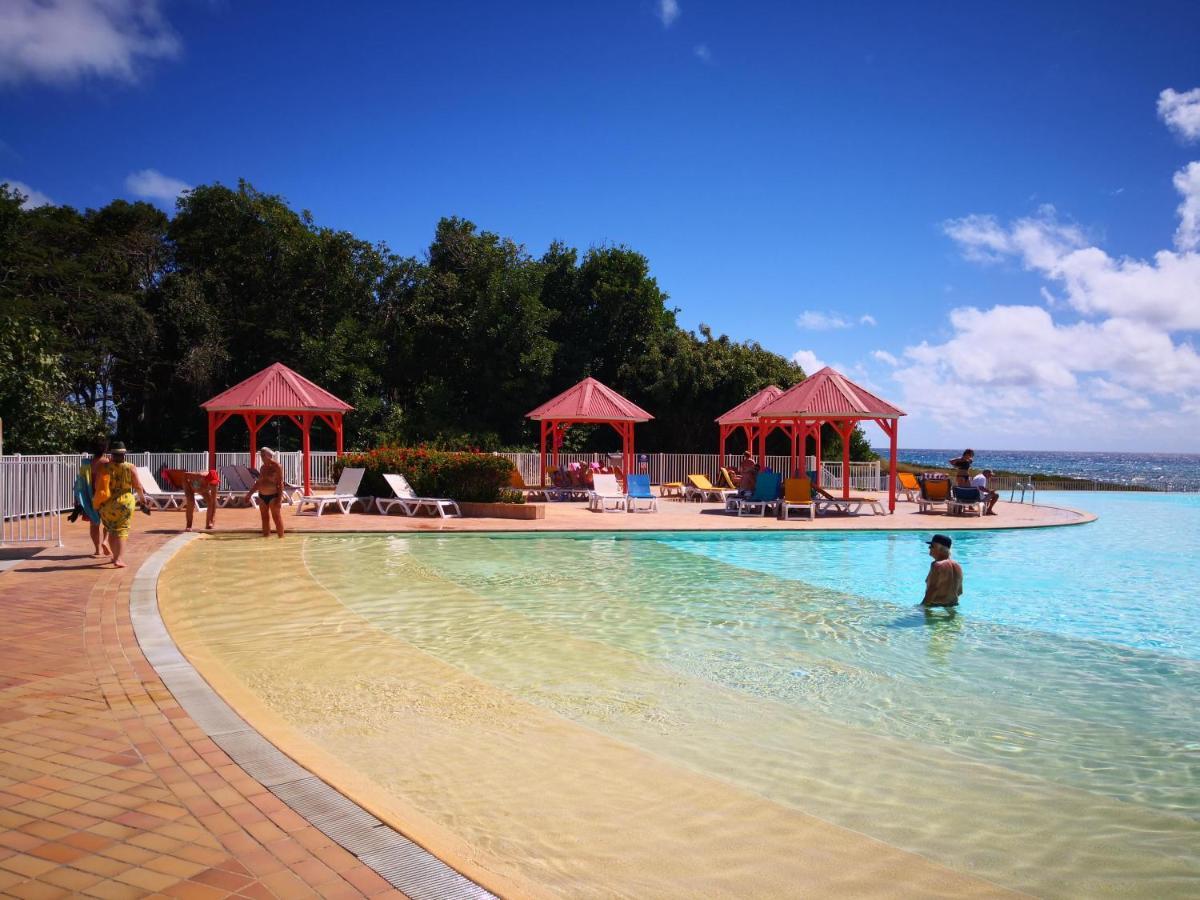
(1023, 486)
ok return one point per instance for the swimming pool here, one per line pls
(681, 713)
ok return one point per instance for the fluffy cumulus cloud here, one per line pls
(154, 185)
(63, 40)
(1118, 365)
(668, 12)
(808, 361)
(33, 197)
(1181, 112)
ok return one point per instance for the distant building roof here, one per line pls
(276, 389)
(744, 412)
(829, 394)
(590, 400)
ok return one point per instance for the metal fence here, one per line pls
(33, 492)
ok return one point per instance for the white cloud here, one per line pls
(668, 12)
(154, 185)
(33, 198)
(1161, 291)
(866, 319)
(884, 357)
(808, 361)
(702, 52)
(1181, 112)
(62, 40)
(811, 320)
(1187, 182)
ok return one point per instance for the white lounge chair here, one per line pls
(344, 495)
(606, 495)
(291, 492)
(408, 501)
(156, 497)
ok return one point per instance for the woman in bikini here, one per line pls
(270, 492)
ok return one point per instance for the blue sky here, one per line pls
(989, 215)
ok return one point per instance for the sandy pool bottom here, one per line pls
(531, 803)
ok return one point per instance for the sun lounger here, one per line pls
(606, 495)
(638, 492)
(235, 494)
(156, 497)
(344, 495)
(408, 501)
(700, 488)
(797, 497)
(935, 492)
(765, 496)
(727, 480)
(517, 483)
(965, 502)
(847, 506)
(906, 484)
(671, 489)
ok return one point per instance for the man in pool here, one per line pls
(943, 584)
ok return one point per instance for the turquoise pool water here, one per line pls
(1045, 737)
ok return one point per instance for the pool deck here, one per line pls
(109, 789)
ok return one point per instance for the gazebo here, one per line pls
(588, 402)
(276, 391)
(830, 397)
(743, 417)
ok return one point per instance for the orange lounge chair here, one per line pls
(906, 484)
(935, 492)
(797, 495)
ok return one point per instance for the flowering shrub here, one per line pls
(470, 477)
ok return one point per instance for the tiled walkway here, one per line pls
(107, 789)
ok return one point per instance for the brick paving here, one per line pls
(107, 788)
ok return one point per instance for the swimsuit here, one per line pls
(267, 498)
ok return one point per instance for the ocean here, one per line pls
(1166, 471)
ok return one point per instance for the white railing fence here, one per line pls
(33, 492)
(664, 468)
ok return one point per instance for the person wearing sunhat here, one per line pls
(943, 584)
(120, 483)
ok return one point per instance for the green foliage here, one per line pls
(137, 319)
(470, 477)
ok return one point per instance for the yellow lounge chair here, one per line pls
(700, 488)
(728, 480)
(797, 495)
(935, 492)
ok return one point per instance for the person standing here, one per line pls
(944, 583)
(962, 468)
(270, 492)
(85, 481)
(989, 496)
(116, 512)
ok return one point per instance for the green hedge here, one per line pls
(470, 477)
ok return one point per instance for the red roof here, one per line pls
(744, 412)
(590, 400)
(276, 389)
(829, 394)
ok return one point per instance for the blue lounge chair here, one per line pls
(638, 491)
(765, 496)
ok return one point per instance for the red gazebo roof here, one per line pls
(829, 395)
(588, 401)
(277, 389)
(744, 413)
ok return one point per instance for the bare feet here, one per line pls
(117, 564)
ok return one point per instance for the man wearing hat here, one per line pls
(943, 584)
